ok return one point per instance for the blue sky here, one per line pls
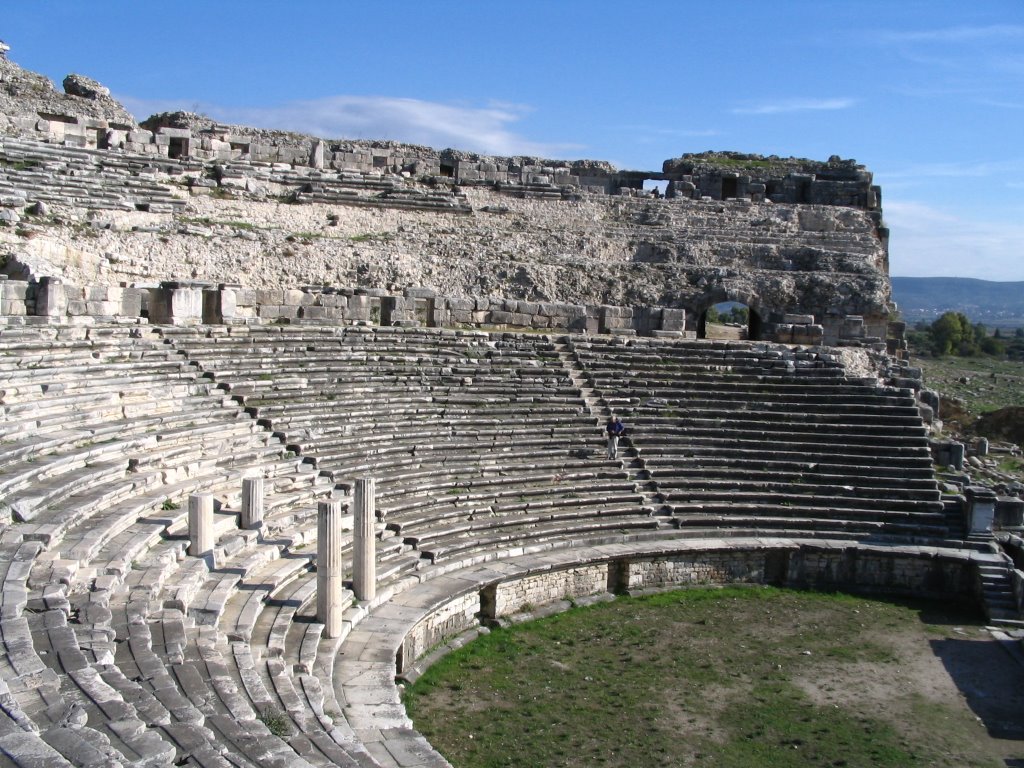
(928, 95)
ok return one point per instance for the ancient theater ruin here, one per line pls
(280, 414)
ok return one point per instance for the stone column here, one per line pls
(364, 556)
(252, 502)
(329, 567)
(200, 524)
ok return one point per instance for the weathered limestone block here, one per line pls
(298, 298)
(673, 319)
(51, 297)
(798, 319)
(323, 313)
(268, 296)
(1009, 512)
(808, 334)
(981, 508)
(853, 327)
(362, 308)
(176, 305)
(278, 311)
(13, 297)
(395, 309)
(615, 318)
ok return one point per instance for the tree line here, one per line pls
(954, 334)
(736, 314)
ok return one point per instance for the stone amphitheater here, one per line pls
(284, 418)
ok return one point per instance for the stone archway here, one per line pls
(720, 296)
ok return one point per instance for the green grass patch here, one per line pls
(982, 383)
(707, 677)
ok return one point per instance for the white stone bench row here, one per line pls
(359, 398)
(104, 432)
(386, 461)
(371, 439)
(325, 419)
(725, 387)
(28, 370)
(822, 521)
(772, 432)
(678, 403)
(568, 474)
(856, 449)
(46, 496)
(694, 456)
(648, 419)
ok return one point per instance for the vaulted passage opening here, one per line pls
(177, 147)
(730, 187)
(730, 320)
(655, 187)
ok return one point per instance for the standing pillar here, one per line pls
(252, 502)
(364, 557)
(329, 567)
(200, 524)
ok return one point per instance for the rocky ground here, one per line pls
(594, 250)
(982, 397)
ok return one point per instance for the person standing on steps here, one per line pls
(614, 428)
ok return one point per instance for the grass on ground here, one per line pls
(733, 677)
(982, 383)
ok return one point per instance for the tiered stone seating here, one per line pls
(353, 188)
(483, 449)
(744, 438)
(474, 440)
(108, 431)
(86, 178)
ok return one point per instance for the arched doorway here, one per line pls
(729, 320)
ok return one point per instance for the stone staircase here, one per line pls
(635, 465)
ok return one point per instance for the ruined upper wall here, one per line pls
(86, 116)
(184, 197)
(28, 96)
(724, 175)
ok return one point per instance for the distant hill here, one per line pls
(983, 301)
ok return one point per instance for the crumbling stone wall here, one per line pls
(800, 242)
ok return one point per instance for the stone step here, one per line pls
(515, 540)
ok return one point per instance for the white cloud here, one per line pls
(953, 170)
(929, 242)
(795, 105)
(960, 34)
(486, 129)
